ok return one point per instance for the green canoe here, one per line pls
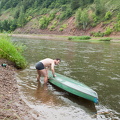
(73, 86)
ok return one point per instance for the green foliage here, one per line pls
(22, 11)
(101, 34)
(108, 31)
(75, 4)
(79, 37)
(63, 27)
(77, 17)
(82, 18)
(95, 18)
(117, 26)
(5, 25)
(97, 34)
(44, 11)
(22, 18)
(118, 17)
(13, 25)
(65, 14)
(105, 39)
(16, 14)
(108, 15)
(98, 7)
(52, 27)
(12, 52)
(44, 22)
(52, 16)
(8, 25)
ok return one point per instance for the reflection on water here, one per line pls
(52, 102)
(95, 64)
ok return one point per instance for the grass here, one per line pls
(79, 37)
(88, 38)
(105, 39)
(12, 52)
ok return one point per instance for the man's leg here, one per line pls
(45, 74)
(38, 75)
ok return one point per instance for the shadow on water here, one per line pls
(48, 93)
(78, 100)
(51, 98)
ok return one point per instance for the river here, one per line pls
(96, 64)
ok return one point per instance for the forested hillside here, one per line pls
(60, 15)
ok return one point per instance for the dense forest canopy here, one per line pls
(88, 13)
(6, 4)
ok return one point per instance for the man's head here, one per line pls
(57, 61)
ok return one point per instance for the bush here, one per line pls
(117, 26)
(61, 29)
(77, 17)
(44, 22)
(95, 18)
(118, 16)
(97, 34)
(108, 31)
(65, 14)
(12, 52)
(108, 15)
(82, 18)
(52, 27)
(52, 16)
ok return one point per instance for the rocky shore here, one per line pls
(12, 107)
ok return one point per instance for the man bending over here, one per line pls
(43, 65)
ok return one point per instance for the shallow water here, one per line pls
(95, 64)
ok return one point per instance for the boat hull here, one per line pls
(73, 86)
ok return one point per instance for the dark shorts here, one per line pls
(39, 66)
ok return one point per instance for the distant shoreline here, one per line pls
(41, 36)
(58, 37)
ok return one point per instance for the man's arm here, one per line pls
(52, 68)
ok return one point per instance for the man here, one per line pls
(43, 65)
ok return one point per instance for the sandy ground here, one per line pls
(12, 107)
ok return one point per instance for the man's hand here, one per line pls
(54, 75)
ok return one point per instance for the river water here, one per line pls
(95, 64)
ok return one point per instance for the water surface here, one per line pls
(95, 64)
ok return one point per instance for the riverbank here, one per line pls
(62, 37)
(41, 36)
(12, 107)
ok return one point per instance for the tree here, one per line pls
(6, 25)
(74, 4)
(44, 22)
(77, 17)
(13, 25)
(108, 15)
(84, 19)
(21, 20)
(16, 14)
